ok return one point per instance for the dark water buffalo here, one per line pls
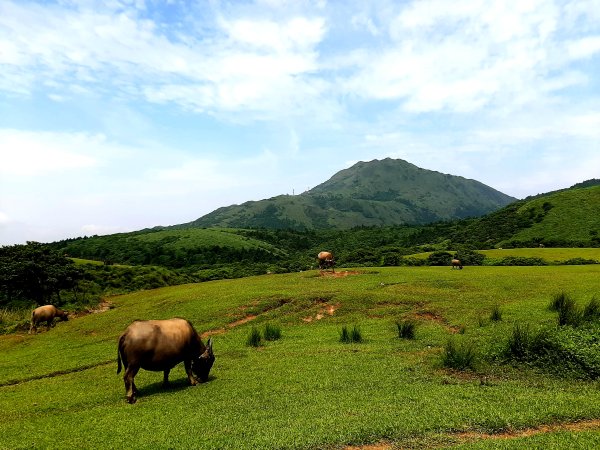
(159, 345)
(456, 264)
(326, 260)
(46, 313)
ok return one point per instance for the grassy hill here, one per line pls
(566, 218)
(376, 193)
(308, 390)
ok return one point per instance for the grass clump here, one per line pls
(591, 311)
(559, 301)
(350, 336)
(272, 332)
(496, 314)
(566, 351)
(460, 356)
(254, 338)
(406, 329)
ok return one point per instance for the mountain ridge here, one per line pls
(375, 193)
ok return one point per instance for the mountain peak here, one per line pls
(374, 193)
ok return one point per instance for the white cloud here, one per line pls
(24, 153)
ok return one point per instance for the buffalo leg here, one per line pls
(130, 389)
(188, 370)
(166, 378)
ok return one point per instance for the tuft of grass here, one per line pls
(592, 310)
(519, 343)
(460, 356)
(272, 332)
(406, 329)
(569, 313)
(254, 338)
(558, 301)
(350, 336)
(496, 314)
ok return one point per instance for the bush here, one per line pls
(348, 337)
(459, 356)
(406, 329)
(520, 261)
(254, 338)
(439, 259)
(469, 257)
(579, 262)
(272, 332)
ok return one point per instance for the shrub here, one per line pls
(439, 259)
(459, 356)
(520, 261)
(272, 332)
(254, 338)
(496, 314)
(406, 329)
(348, 337)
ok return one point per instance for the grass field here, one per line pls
(59, 389)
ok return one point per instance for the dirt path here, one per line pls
(474, 436)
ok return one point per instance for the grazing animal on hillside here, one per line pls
(159, 345)
(46, 313)
(456, 264)
(326, 260)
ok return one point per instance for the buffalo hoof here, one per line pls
(131, 400)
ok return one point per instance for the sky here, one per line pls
(120, 115)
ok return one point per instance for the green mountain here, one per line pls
(377, 193)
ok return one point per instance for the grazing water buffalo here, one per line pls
(456, 264)
(326, 260)
(159, 345)
(46, 313)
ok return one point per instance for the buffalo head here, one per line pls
(203, 363)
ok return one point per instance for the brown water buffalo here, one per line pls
(456, 264)
(159, 345)
(46, 313)
(326, 260)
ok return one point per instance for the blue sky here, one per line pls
(125, 114)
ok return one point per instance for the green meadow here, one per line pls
(59, 388)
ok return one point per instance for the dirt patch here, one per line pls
(103, 306)
(434, 317)
(583, 425)
(324, 310)
(341, 274)
(460, 438)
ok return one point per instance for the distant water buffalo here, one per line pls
(46, 313)
(326, 260)
(456, 264)
(159, 345)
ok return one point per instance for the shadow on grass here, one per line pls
(173, 386)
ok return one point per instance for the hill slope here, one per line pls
(569, 218)
(376, 193)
